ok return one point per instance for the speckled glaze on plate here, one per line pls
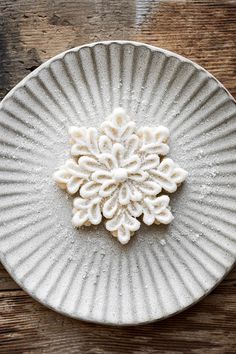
(86, 273)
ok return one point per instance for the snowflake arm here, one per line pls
(70, 176)
(168, 175)
(86, 211)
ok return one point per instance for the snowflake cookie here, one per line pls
(117, 172)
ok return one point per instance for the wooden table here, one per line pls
(32, 31)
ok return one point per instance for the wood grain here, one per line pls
(33, 31)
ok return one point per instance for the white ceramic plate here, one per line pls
(86, 273)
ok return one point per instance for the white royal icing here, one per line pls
(117, 172)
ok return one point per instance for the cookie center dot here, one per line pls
(120, 174)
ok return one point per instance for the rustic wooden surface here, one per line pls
(31, 32)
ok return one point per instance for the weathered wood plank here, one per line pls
(6, 282)
(33, 31)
